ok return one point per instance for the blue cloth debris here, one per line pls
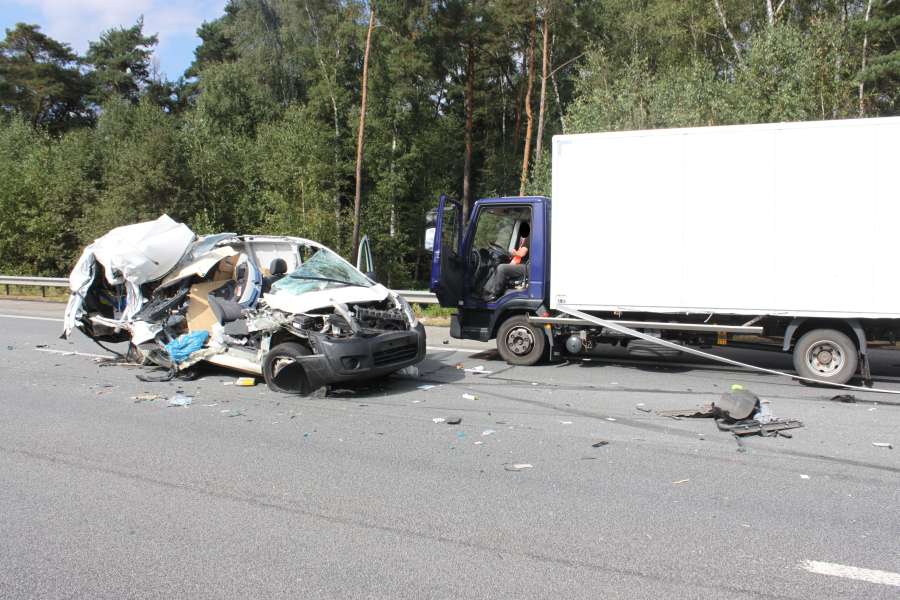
(181, 348)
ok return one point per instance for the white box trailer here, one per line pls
(790, 219)
(790, 224)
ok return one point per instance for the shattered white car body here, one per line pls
(283, 307)
(130, 255)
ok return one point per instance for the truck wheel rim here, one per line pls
(520, 340)
(825, 358)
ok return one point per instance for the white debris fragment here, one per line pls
(439, 419)
(519, 467)
(610, 419)
(804, 476)
(883, 445)
(565, 422)
(469, 397)
(488, 432)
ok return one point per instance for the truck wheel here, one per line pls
(519, 342)
(282, 372)
(826, 355)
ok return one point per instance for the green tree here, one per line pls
(121, 62)
(40, 79)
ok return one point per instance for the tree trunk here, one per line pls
(529, 114)
(865, 45)
(734, 44)
(361, 136)
(470, 121)
(545, 65)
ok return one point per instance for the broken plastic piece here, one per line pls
(453, 420)
(518, 467)
(488, 432)
(469, 397)
(245, 381)
(180, 399)
(883, 445)
(600, 444)
(439, 419)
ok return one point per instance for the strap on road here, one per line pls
(666, 343)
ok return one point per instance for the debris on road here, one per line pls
(740, 412)
(518, 467)
(887, 445)
(469, 397)
(643, 408)
(479, 370)
(845, 398)
(180, 399)
(565, 422)
(245, 381)
(680, 481)
(488, 432)
(610, 419)
(439, 419)
(146, 398)
(804, 476)
(453, 420)
(600, 444)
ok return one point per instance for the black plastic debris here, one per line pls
(740, 412)
(600, 444)
(453, 420)
(845, 398)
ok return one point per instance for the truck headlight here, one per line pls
(407, 311)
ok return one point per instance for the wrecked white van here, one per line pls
(286, 308)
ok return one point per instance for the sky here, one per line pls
(77, 22)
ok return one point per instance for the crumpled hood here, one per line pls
(309, 301)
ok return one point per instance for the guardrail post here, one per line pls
(43, 291)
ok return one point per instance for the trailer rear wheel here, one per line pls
(519, 342)
(826, 355)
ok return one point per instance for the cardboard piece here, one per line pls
(200, 316)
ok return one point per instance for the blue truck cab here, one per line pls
(491, 301)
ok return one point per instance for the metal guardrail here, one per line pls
(411, 296)
(41, 282)
(418, 297)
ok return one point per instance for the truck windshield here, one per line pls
(322, 270)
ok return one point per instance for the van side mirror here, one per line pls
(429, 239)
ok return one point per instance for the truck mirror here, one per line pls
(429, 239)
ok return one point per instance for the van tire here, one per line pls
(826, 355)
(521, 343)
(282, 373)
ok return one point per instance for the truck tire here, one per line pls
(519, 342)
(282, 372)
(826, 355)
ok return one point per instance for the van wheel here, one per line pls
(826, 355)
(282, 372)
(519, 342)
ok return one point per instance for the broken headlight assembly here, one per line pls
(408, 311)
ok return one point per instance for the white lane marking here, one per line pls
(836, 570)
(452, 349)
(72, 353)
(32, 318)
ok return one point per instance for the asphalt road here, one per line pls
(251, 494)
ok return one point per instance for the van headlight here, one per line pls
(407, 311)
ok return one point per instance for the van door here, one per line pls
(364, 262)
(447, 267)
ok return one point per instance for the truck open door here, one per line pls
(447, 266)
